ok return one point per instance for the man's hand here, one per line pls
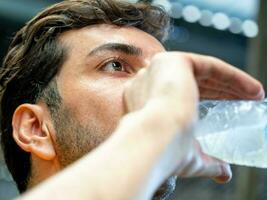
(219, 80)
(169, 87)
(215, 78)
(168, 82)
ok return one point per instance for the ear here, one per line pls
(31, 131)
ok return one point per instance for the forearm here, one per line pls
(122, 167)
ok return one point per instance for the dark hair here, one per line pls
(35, 56)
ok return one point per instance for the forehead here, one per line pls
(88, 38)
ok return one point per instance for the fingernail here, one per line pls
(261, 94)
(226, 174)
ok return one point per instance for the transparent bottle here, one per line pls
(234, 131)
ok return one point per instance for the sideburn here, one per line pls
(73, 139)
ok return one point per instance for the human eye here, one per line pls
(115, 65)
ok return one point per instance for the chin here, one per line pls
(166, 189)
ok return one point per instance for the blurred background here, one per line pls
(235, 31)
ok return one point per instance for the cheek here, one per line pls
(98, 101)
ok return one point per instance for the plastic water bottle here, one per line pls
(234, 131)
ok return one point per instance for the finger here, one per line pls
(202, 165)
(206, 67)
(205, 166)
(211, 93)
(214, 168)
(212, 85)
(218, 170)
(219, 90)
(226, 174)
(210, 89)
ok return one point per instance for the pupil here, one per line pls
(116, 65)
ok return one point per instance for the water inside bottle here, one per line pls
(234, 131)
(246, 149)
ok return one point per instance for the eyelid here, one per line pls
(128, 69)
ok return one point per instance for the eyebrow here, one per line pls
(119, 47)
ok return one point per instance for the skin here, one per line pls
(92, 95)
(96, 95)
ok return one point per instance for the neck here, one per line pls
(41, 170)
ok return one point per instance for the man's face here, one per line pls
(101, 59)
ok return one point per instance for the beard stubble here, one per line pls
(74, 140)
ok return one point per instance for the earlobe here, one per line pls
(31, 133)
